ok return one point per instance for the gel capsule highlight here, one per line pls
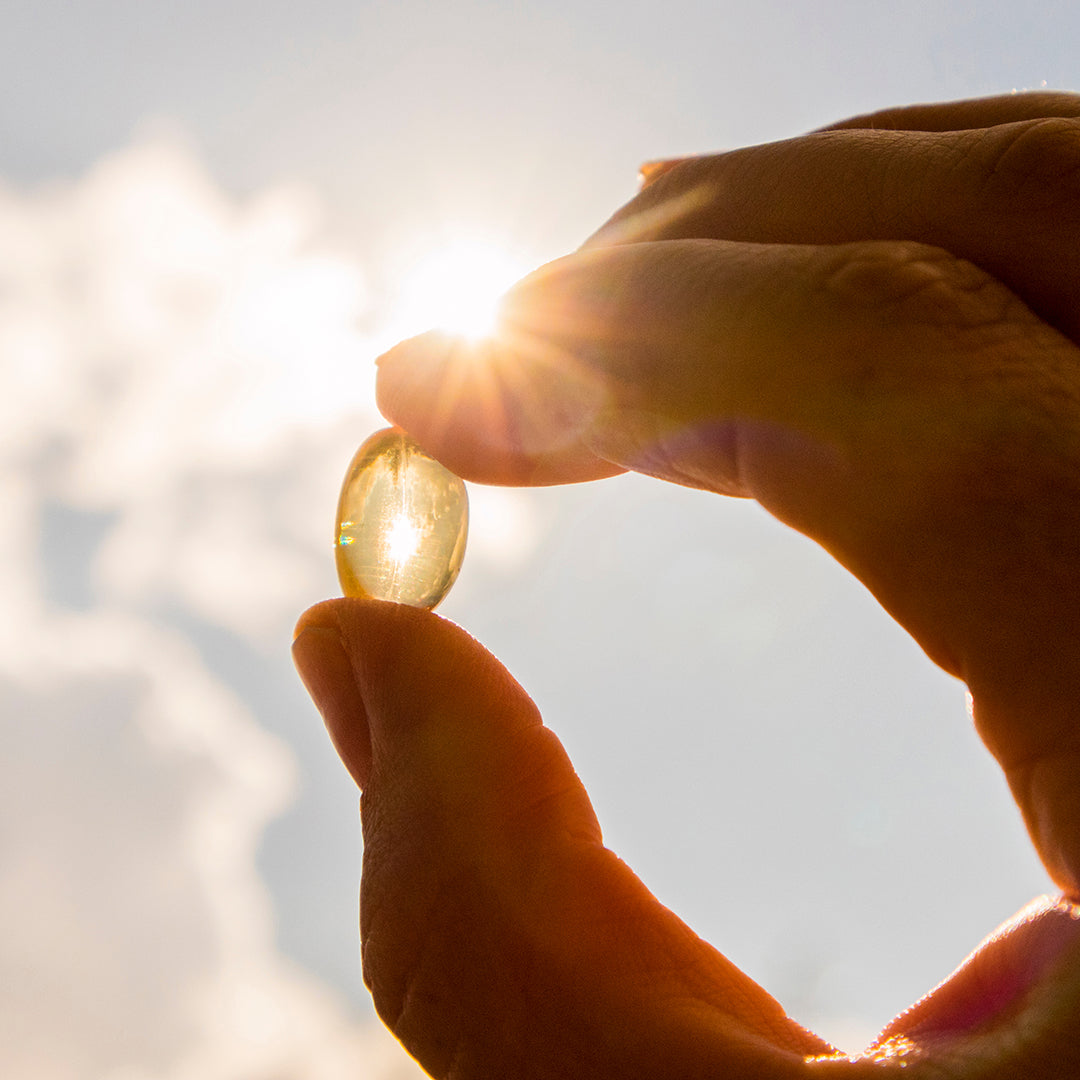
(402, 522)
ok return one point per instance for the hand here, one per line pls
(871, 330)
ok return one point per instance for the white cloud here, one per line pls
(145, 939)
(173, 365)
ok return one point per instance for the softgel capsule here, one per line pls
(402, 522)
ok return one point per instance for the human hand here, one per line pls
(871, 330)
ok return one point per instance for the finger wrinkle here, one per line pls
(1037, 162)
(929, 285)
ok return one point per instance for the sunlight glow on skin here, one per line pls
(493, 357)
(455, 287)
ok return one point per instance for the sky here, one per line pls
(208, 218)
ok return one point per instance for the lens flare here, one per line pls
(456, 288)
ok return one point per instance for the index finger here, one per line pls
(970, 113)
(892, 402)
(936, 116)
(1003, 195)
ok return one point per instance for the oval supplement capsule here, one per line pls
(401, 524)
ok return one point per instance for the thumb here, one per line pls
(499, 936)
(889, 400)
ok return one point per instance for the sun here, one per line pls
(455, 287)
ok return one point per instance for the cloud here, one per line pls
(172, 425)
(136, 790)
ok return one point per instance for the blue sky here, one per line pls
(203, 215)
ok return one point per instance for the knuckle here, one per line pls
(904, 283)
(1037, 163)
(930, 323)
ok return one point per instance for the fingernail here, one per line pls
(327, 673)
(429, 343)
(650, 171)
(1032, 947)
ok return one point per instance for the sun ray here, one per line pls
(455, 287)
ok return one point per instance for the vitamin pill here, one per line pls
(402, 521)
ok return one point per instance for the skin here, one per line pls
(872, 330)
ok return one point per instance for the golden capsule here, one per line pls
(402, 521)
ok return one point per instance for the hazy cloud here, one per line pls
(171, 430)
